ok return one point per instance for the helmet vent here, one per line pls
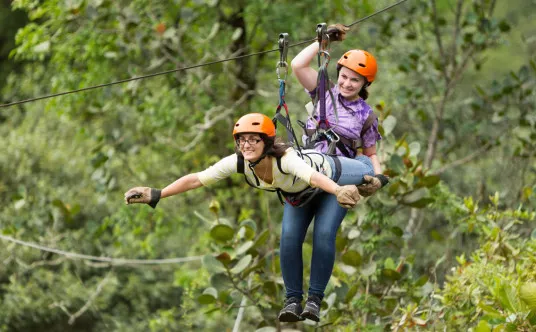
(362, 65)
(346, 56)
(256, 123)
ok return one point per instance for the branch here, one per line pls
(57, 261)
(89, 301)
(209, 121)
(236, 327)
(439, 42)
(463, 160)
(492, 7)
(458, 14)
(432, 141)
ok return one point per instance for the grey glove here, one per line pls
(145, 195)
(347, 196)
(337, 32)
(372, 184)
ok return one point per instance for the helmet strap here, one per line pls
(256, 162)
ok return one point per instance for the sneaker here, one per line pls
(312, 308)
(291, 310)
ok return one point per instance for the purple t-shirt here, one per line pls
(352, 117)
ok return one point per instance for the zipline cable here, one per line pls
(111, 261)
(186, 68)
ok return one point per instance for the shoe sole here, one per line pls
(310, 316)
(289, 317)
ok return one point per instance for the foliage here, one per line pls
(416, 256)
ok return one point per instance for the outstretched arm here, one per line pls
(152, 196)
(319, 180)
(347, 196)
(185, 183)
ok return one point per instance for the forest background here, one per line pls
(449, 245)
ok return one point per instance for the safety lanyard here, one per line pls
(282, 67)
(323, 78)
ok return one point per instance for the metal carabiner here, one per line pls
(322, 36)
(331, 135)
(283, 51)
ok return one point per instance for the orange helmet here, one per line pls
(254, 123)
(362, 62)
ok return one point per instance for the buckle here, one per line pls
(331, 135)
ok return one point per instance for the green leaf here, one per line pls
(421, 203)
(393, 188)
(244, 247)
(352, 258)
(209, 296)
(224, 258)
(504, 26)
(206, 299)
(351, 293)
(269, 287)
(391, 274)
(389, 263)
(43, 47)
(242, 264)
(368, 269)
(220, 281)
(490, 311)
(397, 231)
(212, 264)
(262, 238)
(421, 281)
(428, 181)
(340, 242)
(250, 225)
(222, 233)
(388, 124)
(436, 235)
(396, 163)
(414, 148)
(505, 296)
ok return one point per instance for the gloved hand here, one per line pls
(372, 184)
(145, 195)
(347, 196)
(337, 32)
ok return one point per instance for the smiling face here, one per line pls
(250, 145)
(350, 83)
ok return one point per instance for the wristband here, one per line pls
(383, 179)
(155, 197)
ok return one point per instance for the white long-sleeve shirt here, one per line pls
(299, 171)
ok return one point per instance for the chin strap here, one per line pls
(256, 162)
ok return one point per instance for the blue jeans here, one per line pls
(328, 216)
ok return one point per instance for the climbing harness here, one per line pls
(298, 199)
(324, 130)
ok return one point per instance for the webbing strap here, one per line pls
(316, 135)
(278, 117)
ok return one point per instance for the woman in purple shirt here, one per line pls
(356, 70)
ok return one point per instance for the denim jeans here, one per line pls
(328, 215)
